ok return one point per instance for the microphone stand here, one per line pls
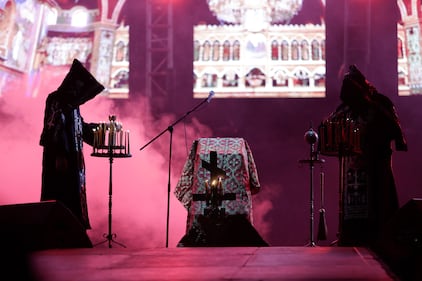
(170, 130)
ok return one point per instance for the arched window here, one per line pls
(206, 53)
(280, 79)
(301, 78)
(120, 52)
(236, 50)
(230, 79)
(196, 50)
(216, 50)
(319, 78)
(323, 49)
(274, 50)
(315, 50)
(121, 79)
(226, 50)
(285, 50)
(209, 80)
(295, 50)
(402, 78)
(304, 46)
(255, 78)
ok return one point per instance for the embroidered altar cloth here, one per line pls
(234, 156)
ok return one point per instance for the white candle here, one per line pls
(128, 149)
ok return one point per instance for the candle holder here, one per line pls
(111, 141)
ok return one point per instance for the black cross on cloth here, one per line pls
(212, 167)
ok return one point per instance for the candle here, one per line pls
(206, 187)
(128, 148)
(125, 141)
(322, 188)
(220, 186)
(121, 140)
(95, 141)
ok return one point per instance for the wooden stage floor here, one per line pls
(207, 263)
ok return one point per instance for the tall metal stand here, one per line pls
(341, 137)
(170, 130)
(111, 142)
(110, 236)
(311, 137)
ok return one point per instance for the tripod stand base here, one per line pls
(110, 240)
(311, 244)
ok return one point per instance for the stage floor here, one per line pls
(213, 263)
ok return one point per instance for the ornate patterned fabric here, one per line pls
(234, 156)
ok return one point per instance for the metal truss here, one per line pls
(159, 47)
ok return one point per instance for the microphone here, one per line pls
(210, 96)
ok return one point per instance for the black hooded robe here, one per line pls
(367, 207)
(63, 169)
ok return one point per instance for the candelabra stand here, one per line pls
(341, 137)
(111, 142)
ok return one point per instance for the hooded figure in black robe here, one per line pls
(63, 169)
(380, 126)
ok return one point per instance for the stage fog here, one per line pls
(273, 127)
